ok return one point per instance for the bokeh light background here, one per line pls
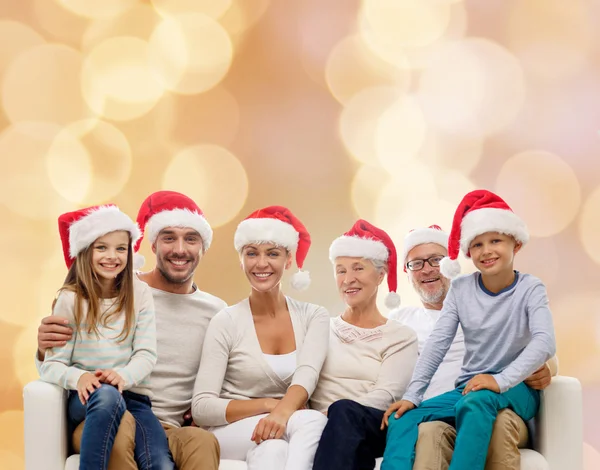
(388, 110)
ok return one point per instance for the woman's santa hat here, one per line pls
(364, 240)
(276, 224)
(421, 236)
(479, 212)
(164, 209)
(79, 229)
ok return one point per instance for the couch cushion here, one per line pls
(72, 462)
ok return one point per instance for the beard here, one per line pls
(179, 278)
(434, 297)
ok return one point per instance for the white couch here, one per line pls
(557, 440)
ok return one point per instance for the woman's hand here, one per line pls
(86, 385)
(400, 407)
(270, 427)
(481, 382)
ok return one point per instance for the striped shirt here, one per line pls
(133, 359)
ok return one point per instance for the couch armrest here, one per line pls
(559, 426)
(46, 437)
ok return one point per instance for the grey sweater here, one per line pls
(509, 334)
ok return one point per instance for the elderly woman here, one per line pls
(370, 359)
(261, 358)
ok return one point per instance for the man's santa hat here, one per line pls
(421, 236)
(364, 240)
(479, 212)
(276, 224)
(79, 229)
(164, 209)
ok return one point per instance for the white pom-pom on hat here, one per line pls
(450, 268)
(300, 280)
(392, 300)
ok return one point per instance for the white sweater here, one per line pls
(370, 366)
(423, 320)
(233, 366)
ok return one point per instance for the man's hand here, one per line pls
(481, 382)
(110, 377)
(400, 407)
(188, 420)
(53, 332)
(540, 379)
(86, 385)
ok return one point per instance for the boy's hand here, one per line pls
(86, 385)
(109, 376)
(400, 407)
(481, 382)
(540, 379)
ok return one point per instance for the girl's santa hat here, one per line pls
(479, 212)
(364, 240)
(79, 229)
(164, 209)
(421, 236)
(276, 224)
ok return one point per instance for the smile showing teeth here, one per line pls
(427, 281)
(178, 262)
(262, 275)
(109, 266)
(352, 291)
(489, 262)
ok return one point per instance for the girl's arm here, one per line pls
(56, 367)
(143, 356)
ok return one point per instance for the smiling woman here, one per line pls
(262, 357)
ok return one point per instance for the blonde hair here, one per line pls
(83, 282)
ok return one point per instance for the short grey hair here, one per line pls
(380, 265)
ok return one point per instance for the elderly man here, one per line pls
(180, 235)
(423, 250)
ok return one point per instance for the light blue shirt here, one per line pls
(508, 335)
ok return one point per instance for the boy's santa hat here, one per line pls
(164, 209)
(276, 224)
(364, 240)
(421, 236)
(79, 229)
(479, 212)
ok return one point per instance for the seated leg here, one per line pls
(193, 448)
(434, 446)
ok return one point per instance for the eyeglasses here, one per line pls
(417, 264)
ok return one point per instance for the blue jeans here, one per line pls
(352, 438)
(474, 414)
(102, 416)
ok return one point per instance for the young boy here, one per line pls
(508, 334)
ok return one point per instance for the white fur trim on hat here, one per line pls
(421, 236)
(182, 218)
(358, 247)
(486, 220)
(265, 230)
(95, 224)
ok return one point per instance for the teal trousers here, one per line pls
(473, 414)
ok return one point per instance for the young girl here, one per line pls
(113, 348)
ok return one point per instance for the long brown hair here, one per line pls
(83, 281)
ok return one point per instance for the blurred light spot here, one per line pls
(24, 350)
(12, 428)
(366, 186)
(591, 457)
(589, 225)
(213, 116)
(540, 257)
(117, 80)
(400, 133)
(97, 9)
(12, 460)
(452, 151)
(212, 177)
(352, 67)
(15, 38)
(452, 185)
(61, 24)
(242, 15)
(42, 84)
(360, 118)
(390, 25)
(138, 22)
(213, 8)
(89, 162)
(472, 86)
(552, 38)
(190, 54)
(543, 190)
(25, 187)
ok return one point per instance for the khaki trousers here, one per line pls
(436, 444)
(192, 448)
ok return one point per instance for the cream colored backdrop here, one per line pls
(388, 110)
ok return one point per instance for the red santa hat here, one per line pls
(79, 229)
(276, 224)
(364, 240)
(421, 236)
(164, 209)
(479, 212)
